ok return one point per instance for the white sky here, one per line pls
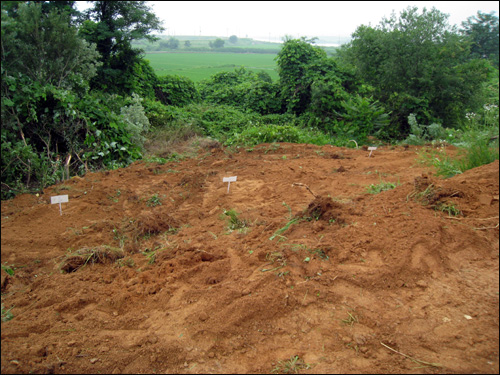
(275, 19)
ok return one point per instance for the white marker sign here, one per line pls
(371, 149)
(59, 199)
(229, 180)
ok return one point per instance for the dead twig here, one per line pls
(307, 187)
(495, 227)
(472, 218)
(413, 359)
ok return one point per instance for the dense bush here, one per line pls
(261, 133)
(176, 91)
(242, 89)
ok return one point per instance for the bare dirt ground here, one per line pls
(312, 267)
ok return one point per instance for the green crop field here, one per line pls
(201, 65)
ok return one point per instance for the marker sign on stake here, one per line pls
(371, 149)
(59, 199)
(229, 180)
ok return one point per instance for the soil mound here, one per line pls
(297, 266)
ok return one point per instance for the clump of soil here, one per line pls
(429, 193)
(154, 221)
(90, 255)
(325, 209)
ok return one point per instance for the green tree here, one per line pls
(299, 65)
(233, 39)
(44, 48)
(173, 43)
(45, 67)
(242, 89)
(217, 43)
(51, 123)
(187, 43)
(417, 64)
(112, 25)
(482, 29)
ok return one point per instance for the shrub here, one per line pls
(176, 91)
(136, 122)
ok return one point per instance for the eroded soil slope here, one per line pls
(158, 269)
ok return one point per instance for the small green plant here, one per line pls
(8, 269)
(6, 314)
(234, 222)
(115, 197)
(154, 201)
(291, 366)
(119, 236)
(320, 253)
(284, 229)
(155, 159)
(289, 210)
(449, 208)
(151, 254)
(382, 186)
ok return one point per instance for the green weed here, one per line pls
(154, 201)
(6, 314)
(350, 320)
(8, 269)
(284, 229)
(234, 222)
(291, 366)
(382, 186)
(449, 208)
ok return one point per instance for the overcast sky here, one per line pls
(276, 19)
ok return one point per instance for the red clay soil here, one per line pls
(158, 269)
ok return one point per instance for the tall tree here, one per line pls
(482, 29)
(46, 65)
(303, 68)
(112, 25)
(418, 64)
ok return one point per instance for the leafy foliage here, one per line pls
(175, 90)
(299, 63)
(482, 29)
(112, 25)
(417, 64)
(242, 89)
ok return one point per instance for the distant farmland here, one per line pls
(201, 65)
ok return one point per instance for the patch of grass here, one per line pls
(155, 159)
(477, 151)
(350, 320)
(291, 366)
(382, 186)
(151, 254)
(89, 255)
(449, 208)
(125, 262)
